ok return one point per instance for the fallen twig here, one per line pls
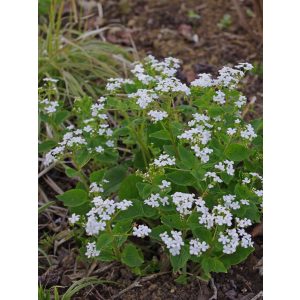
(215, 295)
(135, 284)
(259, 295)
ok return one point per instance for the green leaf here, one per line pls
(128, 189)
(46, 146)
(179, 261)
(213, 264)
(106, 255)
(181, 177)
(202, 234)
(61, 116)
(237, 152)
(70, 172)
(131, 256)
(174, 221)
(122, 227)
(97, 176)
(104, 240)
(156, 231)
(233, 259)
(115, 177)
(161, 135)
(187, 157)
(82, 157)
(73, 198)
(145, 189)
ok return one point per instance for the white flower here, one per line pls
(204, 80)
(164, 160)
(246, 180)
(94, 188)
(220, 166)
(241, 102)
(87, 128)
(231, 131)
(143, 97)
(183, 202)
(157, 115)
(91, 250)
(245, 202)
(124, 204)
(74, 218)
(243, 223)
(219, 98)
(99, 149)
(248, 133)
(214, 176)
(173, 243)
(197, 247)
(141, 231)
(155, 199)
(246, 66)
(116, 83)
(164, 184)
(203, 154)
(259, 193)
(110, 143)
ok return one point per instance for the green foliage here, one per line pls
(174, 177)
(131, 256)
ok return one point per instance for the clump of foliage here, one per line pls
(79, 61)
(163, 169)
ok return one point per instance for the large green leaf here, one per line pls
(212, 264)
(233, 259)
(187, 157)
(179, 261)
(73, 198)
(181, 177)
(131, 256)
(104, 240)
(128, 189)
(114, 176)
(237, 152)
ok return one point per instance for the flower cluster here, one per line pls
(91, 250)
(77, 138)
(102, 212)
(197, 247)
(157, 115)
(49, 106)
(141, 231)
(164, 160)
(173, 243)
(155, 200)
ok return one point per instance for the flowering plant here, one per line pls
(164, 170)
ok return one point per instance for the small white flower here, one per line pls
(197, 247)
(99, 149)
(219, 98)
(74, 218)
(164, 160)
(231, 131)
(91, 250)
(157, 115)
(141, 231)
(164, 184)
(110, 143)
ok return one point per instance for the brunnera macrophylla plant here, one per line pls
(164, 170)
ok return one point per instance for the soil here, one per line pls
(188, 30)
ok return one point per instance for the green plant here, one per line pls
(225, 22)
(176, 166)
(78, 60)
